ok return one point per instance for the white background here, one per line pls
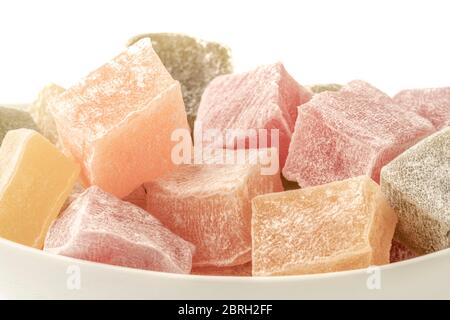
(392, 44)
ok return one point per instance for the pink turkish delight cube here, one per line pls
(101, 228)
(352, 132)
(265, 98)
(432, 104)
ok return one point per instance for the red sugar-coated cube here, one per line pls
(351, 132)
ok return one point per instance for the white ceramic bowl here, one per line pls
(30, 273)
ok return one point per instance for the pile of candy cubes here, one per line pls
(164, 159)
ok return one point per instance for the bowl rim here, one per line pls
(8, 244)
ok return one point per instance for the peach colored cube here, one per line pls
(209, 205)
(118, 121)
(338, 226)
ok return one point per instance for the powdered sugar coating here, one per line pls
(124, 84)
(117, 122)
(101, 228)
(338, 226)
(351, 132)
(264, 98)
(210, 206)
(417, 184)
(432, 104)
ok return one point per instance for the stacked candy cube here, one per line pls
(118, 169)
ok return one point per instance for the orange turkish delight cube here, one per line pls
(118, 121)
(338, 226)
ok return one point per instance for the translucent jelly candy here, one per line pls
(417, 184)
(351, 132)
(265, 98)
(101, 228)
(36, 179)
(11, 119)
(191, 61)
(40, 112)
(210, 206)
(432, 104)
(118, 121)
(338, 226)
